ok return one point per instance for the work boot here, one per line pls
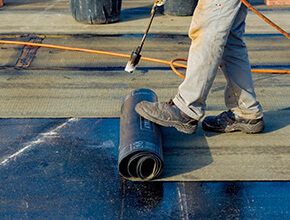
(166, 114)
(228, 122)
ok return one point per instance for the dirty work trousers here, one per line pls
(216, 31)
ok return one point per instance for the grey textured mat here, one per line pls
(55, 83)
(235, 156)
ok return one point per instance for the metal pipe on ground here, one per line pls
(140, 149)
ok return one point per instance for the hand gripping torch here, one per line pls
(135, 56)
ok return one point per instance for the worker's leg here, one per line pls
(211, 24)
(210, 27)
(240, 96)
(245, 113)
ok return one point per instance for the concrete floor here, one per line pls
(59, 130)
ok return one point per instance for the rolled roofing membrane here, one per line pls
(140, 149)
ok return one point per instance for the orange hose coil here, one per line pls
(171, 63)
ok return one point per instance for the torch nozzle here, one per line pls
(135, 56)
(133, 62)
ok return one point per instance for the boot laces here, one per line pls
(170, 102)
(225, 117)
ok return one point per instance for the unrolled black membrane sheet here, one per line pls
(140, 149)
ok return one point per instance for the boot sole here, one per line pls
(185, 128)
(245, 128)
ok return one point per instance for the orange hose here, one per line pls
(253, 70)
(266, 19)
(64, 48)
(87, 51)
(173, 68)
(171, 63)
(273, 71)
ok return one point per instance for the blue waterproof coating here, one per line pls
(140, 149)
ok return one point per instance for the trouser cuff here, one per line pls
(189, 112)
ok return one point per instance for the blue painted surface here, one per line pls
(67, 169)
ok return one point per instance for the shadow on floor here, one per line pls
(137, 13)
(184, 153)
